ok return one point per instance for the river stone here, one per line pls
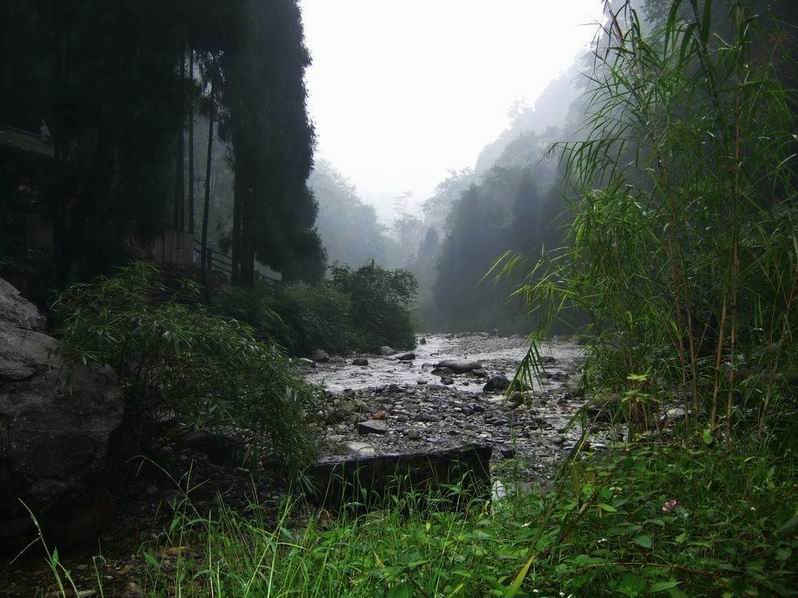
(386, 350)
(368, 480)
(361, 361)
(371, 426)
(56, 418)
(320, 356)
(498, 383)
(459, 365)
(407, 357)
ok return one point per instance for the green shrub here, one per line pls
(174, 357)
(380, 304)
(355, 311)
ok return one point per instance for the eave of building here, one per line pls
(22, 141)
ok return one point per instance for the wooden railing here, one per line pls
(221, 262)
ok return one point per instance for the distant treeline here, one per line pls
(517, 198)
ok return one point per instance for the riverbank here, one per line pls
(675, 519)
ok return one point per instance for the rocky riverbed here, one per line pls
(404, 403)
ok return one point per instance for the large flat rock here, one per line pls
(459, 365)
(368, 480)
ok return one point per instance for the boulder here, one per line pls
(498, 383)
(368, 480)
(372, 426)
(361, 361)
(56, 418)
(407, 357)
(17, 311)
(386, 350)
(320, 356)
(459, 365)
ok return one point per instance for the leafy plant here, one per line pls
(381, 299)
(682, 251)
(355, 311)
(173, 357)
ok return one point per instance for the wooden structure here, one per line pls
(27, 165)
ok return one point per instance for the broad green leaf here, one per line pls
(403, 590)
(644, 541)
(663, 586)
(707, 436)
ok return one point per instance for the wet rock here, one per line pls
(56, 418)
(407, 357)
(547, 359)
(361, 448)
(515, 400)
(498, 383)
(673, 415)
(447, 380)
(507, 452)
(371, 426)
(479, 373)
(307, 362)
(17, 311)
(421, 382)
(360, 361)
(386, 350)
(320, 356)
(423, 341)
(459, 365)
(368, 480)
(413, 434)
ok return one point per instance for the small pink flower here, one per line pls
(670, 505)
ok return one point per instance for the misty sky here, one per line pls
(403, 91)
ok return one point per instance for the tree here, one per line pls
(348, 227)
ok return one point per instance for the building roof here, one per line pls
(24, 141)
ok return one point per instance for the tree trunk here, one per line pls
(248, 251)
(191, 141)
(180, 165)
(205, 265)
(238, 198)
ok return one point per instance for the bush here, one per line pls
(175, 358)
(380, 300)
(355, 311)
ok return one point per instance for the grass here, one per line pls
(678, 519)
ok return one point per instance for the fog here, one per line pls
(403, 92)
